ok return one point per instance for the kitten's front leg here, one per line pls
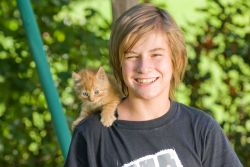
(108, 113)
(75, 123)
(83, 114)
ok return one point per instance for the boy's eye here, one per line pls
(85, 94)
(155, 55)
(130, 57)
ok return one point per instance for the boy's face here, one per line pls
(147, 67)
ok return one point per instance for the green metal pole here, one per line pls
(36, 45)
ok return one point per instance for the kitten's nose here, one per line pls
(91, 98)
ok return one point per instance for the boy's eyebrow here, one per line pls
(152, 50)
(156, 49)
(131, 52)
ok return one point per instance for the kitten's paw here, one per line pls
(107, 121)
(73, 126)
(75, 123)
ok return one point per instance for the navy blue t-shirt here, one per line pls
(184, 136)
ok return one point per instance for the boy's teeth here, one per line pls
(146, 80)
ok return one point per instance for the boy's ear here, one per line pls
(76, 76)
(101, 74)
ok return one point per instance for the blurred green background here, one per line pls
(76, 34)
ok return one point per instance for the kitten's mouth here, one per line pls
(146, 80)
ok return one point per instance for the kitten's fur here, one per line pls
(97, 91)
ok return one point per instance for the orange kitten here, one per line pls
(97, 91)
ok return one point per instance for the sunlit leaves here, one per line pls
(219, 69)
(75, 35)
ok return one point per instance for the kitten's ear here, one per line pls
(76, 76)
(101, 74)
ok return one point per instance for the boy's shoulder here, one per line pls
(196, 115)
(90, 125)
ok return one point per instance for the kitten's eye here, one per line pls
(85, 94)
(97, 92)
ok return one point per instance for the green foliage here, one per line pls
(218, 74)
(75, 35)
(27, 137)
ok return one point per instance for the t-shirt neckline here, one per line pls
(149, 124)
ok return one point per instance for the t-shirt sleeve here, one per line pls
(217, 150)
(77, 154)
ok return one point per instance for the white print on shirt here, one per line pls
(164, 158)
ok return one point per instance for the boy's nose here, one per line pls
(144, 65)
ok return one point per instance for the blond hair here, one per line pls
(136, 22)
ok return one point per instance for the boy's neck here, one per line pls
(135, 109)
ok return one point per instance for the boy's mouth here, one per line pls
(146, 80)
